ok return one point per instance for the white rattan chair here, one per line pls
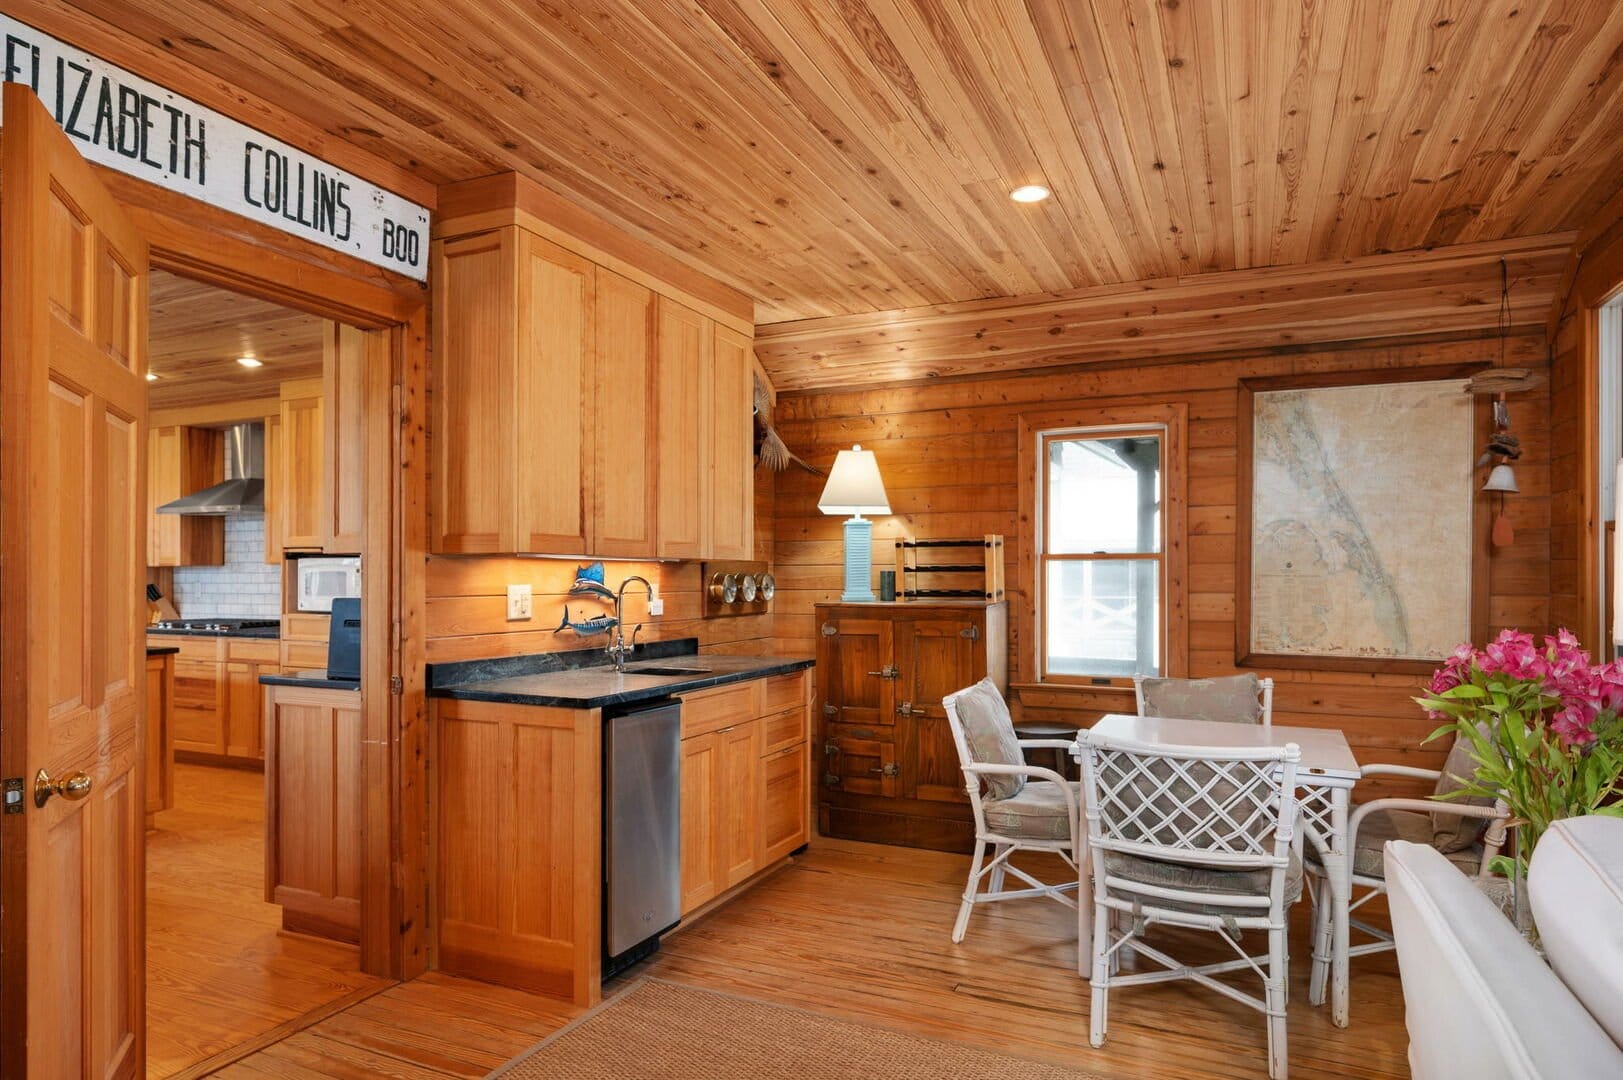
(1371, 826)
(1229, 699)
(1192, 836)
(1043, 817)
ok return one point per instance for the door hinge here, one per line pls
(13, 788)
(831, 780)
(830, 749)
(829, 629)
(830, 710)
(397, 685)
(973, 633)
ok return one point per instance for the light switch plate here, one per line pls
(656, 606)
(518, 603)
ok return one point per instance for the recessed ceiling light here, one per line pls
(152, 376)
(1029, 193)
(248, 361)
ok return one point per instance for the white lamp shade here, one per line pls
(1501, 478)
(854, 486)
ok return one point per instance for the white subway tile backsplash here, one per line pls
(245, 587)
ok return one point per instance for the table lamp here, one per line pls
(854, 488)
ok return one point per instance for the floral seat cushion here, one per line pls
(1036, 812)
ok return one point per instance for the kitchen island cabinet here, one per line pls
(217, 718)
(518, 773)
(160, 751)
(313, 792)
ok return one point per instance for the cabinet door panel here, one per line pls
(472, 423)
(740, 782)
(851, 665)
(552, 396)
(273, 489)
(244, 724)
(785, 810)
(344, 362)
(860, 766)
(198, 717)
(683, 476)
(732, 466)
(701, 758)
(624, 504)
(935, 658)
(303, 491)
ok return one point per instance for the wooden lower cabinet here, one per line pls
(160, 752)
(314, 792)
(888, 769)
(217, 717)
(518, 814)
(744, 777)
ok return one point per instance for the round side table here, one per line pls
(1058, 760)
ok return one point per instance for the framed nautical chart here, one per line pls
(1358, 520)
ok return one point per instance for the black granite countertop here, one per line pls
(162, 650)
(316, 680)
(586, 679)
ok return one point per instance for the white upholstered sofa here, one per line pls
(1479, 1000)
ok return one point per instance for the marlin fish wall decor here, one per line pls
(597, 624)
(591, 581)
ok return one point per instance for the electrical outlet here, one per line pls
(656, 606)
(518, 603)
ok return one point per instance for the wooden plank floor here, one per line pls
(219, 969)
(861, 931)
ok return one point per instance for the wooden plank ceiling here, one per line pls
(196, 332)
(836, 159)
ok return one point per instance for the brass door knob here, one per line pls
(74, 787)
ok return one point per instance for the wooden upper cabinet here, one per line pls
(303, 494)
(732, 472)
(472, 295)
(681, 435)
(273, 489)
(343, 366)
(623, 473)
(552, 414)
(181, 460)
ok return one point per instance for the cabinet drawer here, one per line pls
(207, 649)
(197, 685)
(253, 650)
(303, 655)
(305, 625)
(719, 707)
(783, 691)
(783, 729)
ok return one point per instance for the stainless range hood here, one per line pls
(243, 491)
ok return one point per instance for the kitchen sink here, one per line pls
(652, 669)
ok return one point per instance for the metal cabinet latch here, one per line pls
(887, 770)
(905, 709)
(889, 671)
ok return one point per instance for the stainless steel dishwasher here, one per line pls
(642, 830)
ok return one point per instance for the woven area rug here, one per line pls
(665, 1031)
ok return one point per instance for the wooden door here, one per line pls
(732, 465)
(343, 377)
(858, 766)
(552, 397)
(785, 809)
(472, 293)
(855, 663)
(701, 881)
(934, 658)
(303, 492)
(682, 518)
(624, 505)
(739, 780)
(73, 356)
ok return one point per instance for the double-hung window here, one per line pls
(1101, 541)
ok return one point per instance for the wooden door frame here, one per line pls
(210, 245)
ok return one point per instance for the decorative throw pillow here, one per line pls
(1450, 832)
(989, 731)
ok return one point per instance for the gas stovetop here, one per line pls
(266, 628)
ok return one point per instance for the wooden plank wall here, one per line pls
(467, 601)
(947, 452)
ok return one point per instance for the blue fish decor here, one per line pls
(591, 581)
(597, 624)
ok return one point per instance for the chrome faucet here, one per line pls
(618, 647)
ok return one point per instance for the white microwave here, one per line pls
(322, 580)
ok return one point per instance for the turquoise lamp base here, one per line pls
(858, 561)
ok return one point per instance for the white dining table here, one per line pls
(1325, 780)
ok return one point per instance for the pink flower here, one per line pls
(1572, 725)
(1513, 653)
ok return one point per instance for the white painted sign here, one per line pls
(137, 127)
